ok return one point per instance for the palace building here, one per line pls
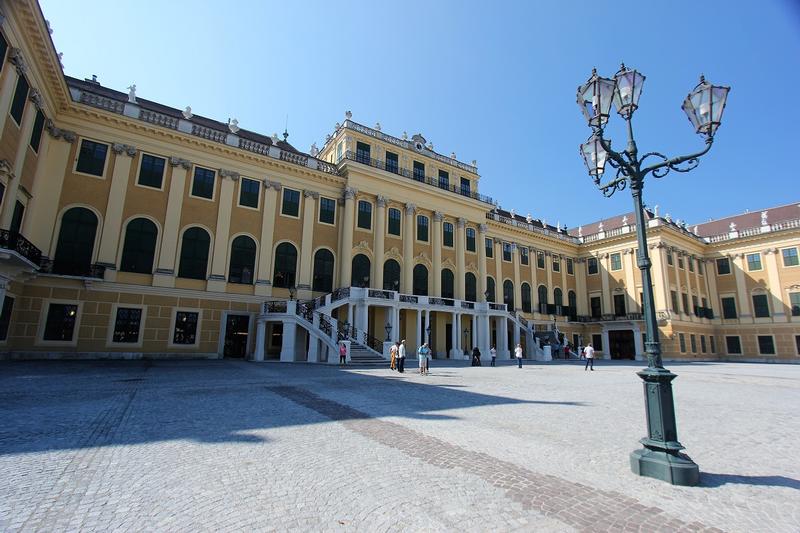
(132, 229)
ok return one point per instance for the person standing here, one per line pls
(493, 353)
(518, 354)
(422, 357)
(401, 357)
(580, 351)
(342, 354)
(588, 352)
(476, 357)
(393, 352)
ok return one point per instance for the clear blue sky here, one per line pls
(491, 81)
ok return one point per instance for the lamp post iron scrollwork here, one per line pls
(661, 457)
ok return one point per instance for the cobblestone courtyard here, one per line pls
(223, 446)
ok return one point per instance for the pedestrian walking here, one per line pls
(518, 354)
(588, 352)
(476, 357)
(493, 353)
(401, 357)
(342, 354)
(393, 352)
(580, 351)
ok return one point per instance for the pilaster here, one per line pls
(8, 83)
(219, 262)
(607, 307)
(264, 277)
(773, 276)
(28, 118)
(517, 281)
(165, 272)
(437, 253)
(407, 279)
(346, 252)
(112, 224)
(310, 200)
(461, 271)
(379, 245)
(632, 304)
(482, 263)
(745, 315)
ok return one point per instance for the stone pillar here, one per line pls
(660, 284)
(217, 281)
(564, 288)
(630, 281)
(396, 333)
(580, 287)
(165, 271)
(517, 279)
(484, 340)
(417, 335)
(362, 316)
(675, 269)
(711, 282)
(516, 333)
(638, 345)
(482, 262)
(532, 255)
(407, 279)
(427, 336)
(461, 270)
(264, 276)
(502, 351)
(261, 339)
(379, 232)
(437, 253)
(473, 333)
(688, 280)
(498, 271)
(310, 200)
(346, 251)
(112, 225)
(773, 277)
(606, 345)
(8, 83)
(607, 307)
(455, 335)
(28, 118)
(289, 333)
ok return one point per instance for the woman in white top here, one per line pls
(518, 354)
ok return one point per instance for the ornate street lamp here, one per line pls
(466, 332)
(661, 457)
(388, 328)
(428, 334)
(292, 292)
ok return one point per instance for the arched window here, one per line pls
(490, 292)
(448, 289)
(526, 298)
(323, 271)
(243, 260)
(140, 246)
(542, 290)
(285, 265)
(470, 287)
(391, 275)
(508, 294)
(572, 301)
(558, 297)
(194, 254)
(75, 242)
(420, 280)
(360, 272)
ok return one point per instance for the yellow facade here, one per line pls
(366, 177)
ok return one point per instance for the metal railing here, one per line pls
(81, 270)
(540, 229)
(14, 241)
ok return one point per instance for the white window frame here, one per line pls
(78, 153)
(335, 211)
(371, 215)
(213, 189)
(747, 262)
(416, 230)
(774, 345)
(163, 172)
(113, 320)
(741, 348)
(239, 194)
(172, 321)
(299, 203)
(783, 263)
(392, 235)
(43, 322)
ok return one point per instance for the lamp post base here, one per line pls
(675, 468)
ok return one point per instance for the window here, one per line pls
(713, 343)
(92, 158)
(364, 215)
(3, 50)
(570, 267)
(422, 228)
(327, 210)
(524, 258)
(444, 180)
(508, 294)
(526, 298)
(489, 245)
(703, 343)
(391, 275)
(185, 328)
(249, 192)
(339, 151)
(139, 247)
(596, 306)
(766, 345)
(470, 232)
(539, 259)
(392, 162)
(616, 261)
(362, 153)
(728, 307)
(760, 306)
(18, 102)
(5, 317)
(670, 259)
(541, 292)
(507, 251)
(790, 257)
(690, 260)
(695, 306)
(734, 344)
(753, 262)
(360, 271)
(674, 301)
(558, 297)
(394, 221)
(490, 289)
(151, 171)
(323, 271)
(794, 303)
(127, 325)
(723, 266)
(470, 287)
(465, 187)
(685, 301)
(682, 342)
(797, 344)
(591, 265)
(203, 183)
(556, 264)
(447, 229)
(60, 322)
(572, 302)
(285, 265)
(243, 260)
(75, 242)
(419, 171)
(448, 284)
(194, 254)
(290, 205)
(36, 134)
(700, 266)
(420, 280)
(16, 217)
(619, 305)
(597, 342)
(680, 261)
(693, 342)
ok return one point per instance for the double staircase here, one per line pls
(361, 356)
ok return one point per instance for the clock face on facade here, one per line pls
(419, 146)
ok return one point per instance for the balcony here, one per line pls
(80, 270)
(15, 242)
(629, 317)
(392, 167)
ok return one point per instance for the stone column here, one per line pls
(473, 333)
(660, 284)
(686, 260)
(774, 279)
(675, 252)
(484, 335)
(498, 271)
(379, 232)
(461, 270)
(407, 279)
(630, 281)
(455, 351)
(437, 253)
(264, 276)
(427, 325)
(517, 279)
(313, 341)
(606, 344)
(745, 315)
(417, 340)
(346, 252)
(580, 287)
(711, 282)
(532, 255)
(9, 82)
(261, 339)
(112, 225)
(607, 307)
(310, 199)
(217, 281)
(482, 229)
(28, 118)
(564, 288)
(165, 271)
(502, 350)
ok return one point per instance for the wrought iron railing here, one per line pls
(276, 306)
(497, 307)
(14, 241)
(81, 270)
(407, 298)
(385, 295)
(467, 305)
(340, 293)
